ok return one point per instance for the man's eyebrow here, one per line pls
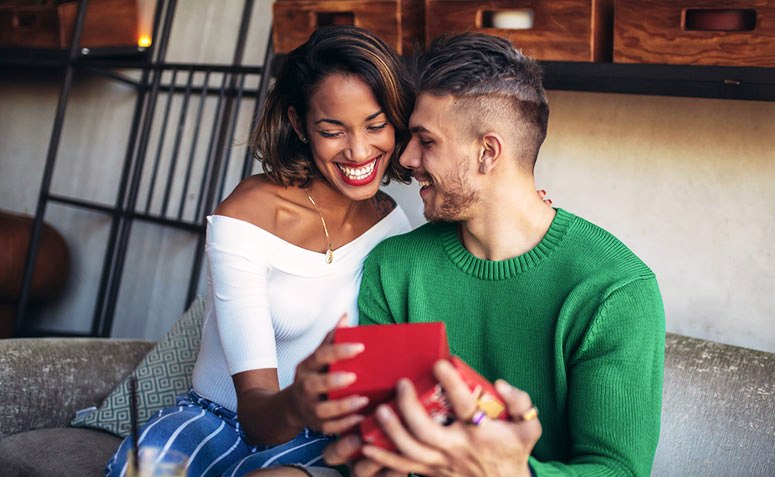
(418, 129)
(340, 123)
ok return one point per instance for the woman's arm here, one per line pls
(270, 416)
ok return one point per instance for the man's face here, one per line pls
(442, 159)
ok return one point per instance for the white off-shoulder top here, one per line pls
(270, 303)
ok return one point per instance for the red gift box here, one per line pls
(391, 352)
(432, 397)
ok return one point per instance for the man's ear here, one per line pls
(491, 150)
(293, 117)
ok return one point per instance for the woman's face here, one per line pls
(349, 135)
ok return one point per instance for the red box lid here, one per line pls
(391, 352)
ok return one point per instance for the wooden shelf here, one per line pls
(720, 82)
(52, 57)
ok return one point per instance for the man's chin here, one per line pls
(435, 217)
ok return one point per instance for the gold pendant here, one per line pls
(329, 255)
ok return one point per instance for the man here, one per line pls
(551, 303)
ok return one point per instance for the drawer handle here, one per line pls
(716, 19)
(335, 18)
(24, 21)
(518, 19)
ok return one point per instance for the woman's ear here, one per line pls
(293, 117)
(492, 147)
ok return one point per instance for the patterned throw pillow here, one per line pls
(163, 374)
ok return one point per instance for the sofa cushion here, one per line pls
(163, 374)
(63, 452)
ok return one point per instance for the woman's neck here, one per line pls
(336, 206)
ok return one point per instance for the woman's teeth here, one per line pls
(358, 173)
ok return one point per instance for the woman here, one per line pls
(285, 253)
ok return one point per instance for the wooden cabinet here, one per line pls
(695, 32)
(560, 30)
(108, 23)
(398, 22)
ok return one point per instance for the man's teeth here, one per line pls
(357, 173)
(424, 183)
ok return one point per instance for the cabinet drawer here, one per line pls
(398, 22)
(29, 26)
(107, 23)
(707, 32)
(562, 30)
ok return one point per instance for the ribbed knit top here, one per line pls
(577, 322)
(270, 303)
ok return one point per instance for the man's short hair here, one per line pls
(487, 73)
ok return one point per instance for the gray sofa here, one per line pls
(718, 414)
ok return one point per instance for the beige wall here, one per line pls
(686, 183)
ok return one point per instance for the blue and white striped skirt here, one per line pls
(216, 445)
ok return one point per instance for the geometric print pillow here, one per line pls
(162, 375)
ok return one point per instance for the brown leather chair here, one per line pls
(51, 267)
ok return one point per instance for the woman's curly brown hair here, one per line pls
(333, 49)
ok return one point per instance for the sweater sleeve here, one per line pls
(615, 387)
(373, 307)
(239, 283)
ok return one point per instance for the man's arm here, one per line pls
(373, 305)
(615, 387)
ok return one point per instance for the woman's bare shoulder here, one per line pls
(255, 200)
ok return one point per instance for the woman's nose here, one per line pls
(358, 149)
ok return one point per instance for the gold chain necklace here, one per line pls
(330, 251)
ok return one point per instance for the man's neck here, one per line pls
(513, 221)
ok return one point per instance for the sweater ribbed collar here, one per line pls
(505, 269)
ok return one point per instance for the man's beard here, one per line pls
(457, 200)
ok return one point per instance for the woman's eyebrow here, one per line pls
(340, 123)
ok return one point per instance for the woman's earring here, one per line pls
(303, 139)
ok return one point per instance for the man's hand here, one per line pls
(312, 382)
(491, 448)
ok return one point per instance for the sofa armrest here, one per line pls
(43, 381)
(718, 411)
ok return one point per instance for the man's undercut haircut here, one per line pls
(489, 74)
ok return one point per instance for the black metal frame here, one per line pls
(125, 210)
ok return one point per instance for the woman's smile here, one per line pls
(360, 174)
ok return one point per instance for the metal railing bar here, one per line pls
(160, 143)
(48, 169)
(178, 137)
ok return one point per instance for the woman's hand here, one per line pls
(313, 382)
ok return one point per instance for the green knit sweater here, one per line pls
(577, 322)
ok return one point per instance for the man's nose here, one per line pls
(409, 158)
